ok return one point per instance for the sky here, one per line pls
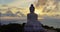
(6, 1)
(24, 4)
(21, 3)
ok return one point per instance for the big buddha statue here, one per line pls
(33, 25)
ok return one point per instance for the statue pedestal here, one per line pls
(34, 25)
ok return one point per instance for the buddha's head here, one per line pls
(32, 8)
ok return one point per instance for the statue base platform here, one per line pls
(33, 26)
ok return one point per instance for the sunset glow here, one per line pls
(50, 7)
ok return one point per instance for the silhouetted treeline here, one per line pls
(20, 28)
(47, 27)
(12, 28)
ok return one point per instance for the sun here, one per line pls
(37, 11)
